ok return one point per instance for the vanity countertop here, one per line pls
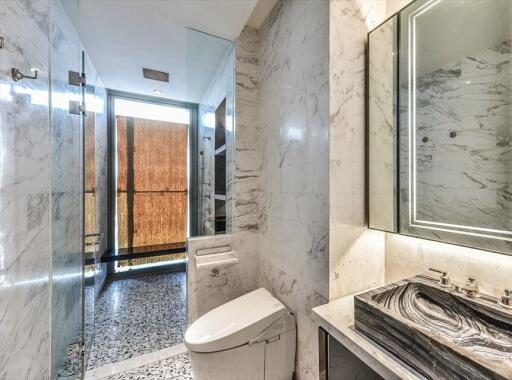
(337, 318)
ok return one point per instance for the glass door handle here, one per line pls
(17, 75)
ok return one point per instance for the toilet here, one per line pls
(252, 337)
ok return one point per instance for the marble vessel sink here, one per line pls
(440, 333)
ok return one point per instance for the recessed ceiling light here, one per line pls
(157, 92)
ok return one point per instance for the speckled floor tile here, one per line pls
(138, 315)
(173, 368)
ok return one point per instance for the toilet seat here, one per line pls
(235, 323)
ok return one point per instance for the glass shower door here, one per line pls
(66, 155)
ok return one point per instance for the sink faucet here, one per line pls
(444, 280)
(471, 288)
(506, 299)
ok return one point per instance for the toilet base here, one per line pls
(260, 361)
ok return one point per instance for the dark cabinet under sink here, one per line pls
(339, 363)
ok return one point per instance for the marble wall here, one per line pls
(206, 292)
(25, 192)
(356, 254)
(294, 119)
(407, 256)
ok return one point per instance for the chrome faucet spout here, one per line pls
(444, 279)
(471, 288)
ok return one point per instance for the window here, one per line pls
(152, 180)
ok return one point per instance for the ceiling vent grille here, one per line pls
(155, 75)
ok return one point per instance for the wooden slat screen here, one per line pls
(152, 197)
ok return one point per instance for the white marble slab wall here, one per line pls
(407, 256)
(356, 254)
(221, 87)
(294, 118)
(206, 292)
(25, 189)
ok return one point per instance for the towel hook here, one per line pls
(18, 75)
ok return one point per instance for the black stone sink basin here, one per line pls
(440, 333)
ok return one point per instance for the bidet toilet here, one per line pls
(252, 337)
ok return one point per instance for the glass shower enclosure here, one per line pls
(41, 190)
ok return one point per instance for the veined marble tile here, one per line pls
(294, 122)
(356, 254)
(25, 207)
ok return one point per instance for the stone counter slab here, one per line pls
(442, 334)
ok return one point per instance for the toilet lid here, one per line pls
(234, 323)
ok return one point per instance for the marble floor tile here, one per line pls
(174, 368)
(138, 315)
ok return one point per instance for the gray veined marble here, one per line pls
(440, 333)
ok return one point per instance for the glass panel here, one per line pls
(66, 193)
(455, 84)
(214, 145)
(95, 186)
(382, 127)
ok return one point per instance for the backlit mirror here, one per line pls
(454, 117)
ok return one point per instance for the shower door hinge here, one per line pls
(75, 108)
(76, 79)
(1, 42)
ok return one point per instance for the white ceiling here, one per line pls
(123, 36)
(260, 12)
(453, 29)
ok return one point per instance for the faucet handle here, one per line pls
(471, 289)
(506, 299)
(444, 280)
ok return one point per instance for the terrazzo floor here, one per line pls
(139, 315)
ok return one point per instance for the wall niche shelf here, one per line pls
(220, 168)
